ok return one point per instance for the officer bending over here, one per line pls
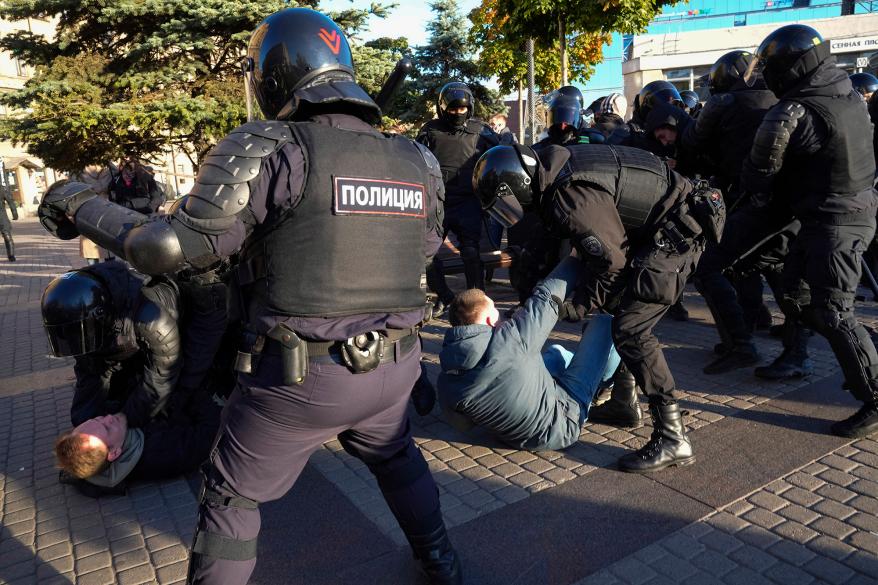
(334, 222)
(494, 376)
(124, 336)
(639, 229)
(813, 153)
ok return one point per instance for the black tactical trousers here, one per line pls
(656, 281)
(820, 282)
(463, 218)
(754, 240)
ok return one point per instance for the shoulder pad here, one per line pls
(429, 158)
(785, 111)
(722, 100)
(222, 186)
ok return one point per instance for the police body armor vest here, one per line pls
(637, 179)
(845, 165)
(457, 154)
(354, 244)
(738, 129)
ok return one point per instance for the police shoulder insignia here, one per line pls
(591, 245)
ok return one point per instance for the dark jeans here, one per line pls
(820, 282)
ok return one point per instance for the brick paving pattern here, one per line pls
(817, 524)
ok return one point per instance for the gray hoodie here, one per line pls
(124, 464)
(494, 377)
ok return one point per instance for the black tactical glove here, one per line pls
(61, 202)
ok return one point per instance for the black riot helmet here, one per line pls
(77, 313)
(728, 70)
(455, 95)
(690, 99)
(299, 57)
(657, 92)
(865, 84)
(565, 110)
(786, 56)
(503, 180)
(573, 92)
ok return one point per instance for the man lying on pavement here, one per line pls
(494, 374)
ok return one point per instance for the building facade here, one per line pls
(681, 49)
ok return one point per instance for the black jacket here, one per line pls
(813, 149)
(138, 373)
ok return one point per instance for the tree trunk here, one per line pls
(521, 111)
(562, 38)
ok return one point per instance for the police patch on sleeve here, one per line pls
(591, 245)
(376, 197)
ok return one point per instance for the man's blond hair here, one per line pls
(78, 455)
(467, 306)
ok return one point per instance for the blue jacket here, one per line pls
(494, 377)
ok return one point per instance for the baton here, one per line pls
(393, 83)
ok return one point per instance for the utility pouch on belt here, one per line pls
(249, 352)
(363, 353)
(709, 210)
(294, 354)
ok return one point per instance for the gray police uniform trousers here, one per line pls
(270, 430)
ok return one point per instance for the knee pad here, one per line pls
(216, 494)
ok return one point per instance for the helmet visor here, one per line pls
(76, 338)
(506, 209)
(754, 70)
(569, 114)
(455, 98)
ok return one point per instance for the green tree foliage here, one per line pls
(501, 27)
(447, 56)
(133, 76)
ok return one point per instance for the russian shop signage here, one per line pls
(854, 44)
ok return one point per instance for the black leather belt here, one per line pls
(395, 348)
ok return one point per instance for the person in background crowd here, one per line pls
(136, 188)
(100, 178)
(6, 200)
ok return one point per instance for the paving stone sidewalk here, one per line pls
(817, 524)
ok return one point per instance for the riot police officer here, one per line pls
(336, 221)
(864, 84)
(124, 335)
(639, 228)
(724, 133)
(564, 124)
(457, 141)
(812, 152)
(691, 102)
(633, 133)
(6, 200)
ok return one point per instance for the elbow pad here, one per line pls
(153, 248)
(773, 136)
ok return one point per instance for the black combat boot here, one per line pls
(10, 248)
(668, 445)
(438, 558)
(623, 408)
(793, 362)
(861, 424)
(423, 394)
(742, 355)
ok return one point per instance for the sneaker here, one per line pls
(861, 424)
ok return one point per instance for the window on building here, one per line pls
(21, 69)
(686, 79)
